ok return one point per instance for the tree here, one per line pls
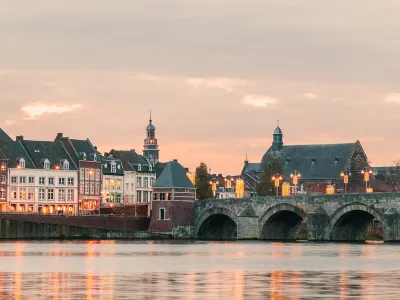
(270, 166)
(203, 182)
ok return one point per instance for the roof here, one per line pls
(53, 151)
(107, 161)
(316, 161)
(4, 136)
(13, 150)
(173, 175)
(85, 146)
(131, 160)
(150, 126)
(160, 166)
(252, 167)
(278, 130)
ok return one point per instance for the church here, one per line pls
(319, 165)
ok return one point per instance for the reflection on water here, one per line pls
(197, 270)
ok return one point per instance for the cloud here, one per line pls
(310, 96)
(37, 109)
(392, 98)
(226, 84)
(259, 101)
(148, 77)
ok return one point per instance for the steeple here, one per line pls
(150, 148)
(277, 141)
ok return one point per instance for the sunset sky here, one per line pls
(216, 74)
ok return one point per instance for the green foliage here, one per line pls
(271, 165)
(203, 182)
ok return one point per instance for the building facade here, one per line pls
(90, 180)
(173, 199)
(113, 181)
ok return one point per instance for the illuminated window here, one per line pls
(118, 184)
(112, 184)
(13, 193)
(107, 184)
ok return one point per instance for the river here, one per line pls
(197, 270)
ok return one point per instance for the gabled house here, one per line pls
(139, 176)
(88, 160)
(113, 181)
(173, 199)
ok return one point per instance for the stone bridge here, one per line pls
(340, 217)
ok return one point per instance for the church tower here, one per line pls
(277, 141)
(150, 147)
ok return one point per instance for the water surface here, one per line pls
(198, 270)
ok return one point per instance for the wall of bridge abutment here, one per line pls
(325, 217)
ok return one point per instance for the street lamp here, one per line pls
(295, 178)
(345, 174)
(276, 179)
(213, 184)
(366, 171)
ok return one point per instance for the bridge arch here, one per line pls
(217, 223)
(350, 222)
(281, 222)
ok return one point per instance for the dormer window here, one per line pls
(150, 168)
(113, 167)
(84, 155)
(65, 165)
(287, 160)
(95, 157)
(313, 160)
(336, 159)
(139, 167)
(21, 163)
(46, 164)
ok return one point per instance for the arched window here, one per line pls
(46, 164)
(22, 163)
(66, 165)
(113, 167)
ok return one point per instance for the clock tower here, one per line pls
(150, 147)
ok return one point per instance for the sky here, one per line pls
(217, 75)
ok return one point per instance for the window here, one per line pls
(132, 187)
(71, 181)
(3, 165)
(139, 167)
(13, 193)
(2, 194)
(145, 197)
(97, 188)
(66, 165)
(61, 195)
(113, 167)
(61, 181)
(3, 179)
(31, 180)
(70, 195)
(145, 182)
(82, 187)
(91, 188)
(86, 188)
(150, 168)
(152, 179)
(107, 184)
(46, 164)
(82, 173)
(139, 182)
(14, 179)
(51, 180)
(91, 174)
(50, 194)
(22, 163)
(87, 174)
(162, 214)
(118, 184)
(97, 175)
(126, 187)
(139, 197)
(31, 194)
(22, 194)
(112, 184)
(42, 180)
(41, 194)
(22, 179)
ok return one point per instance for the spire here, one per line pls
(150, 117)
(277, 123)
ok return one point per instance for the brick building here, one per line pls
(88, 159)
(173, 199)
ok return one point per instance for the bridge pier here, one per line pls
(318, 227)
(248, 228)
(391, 225)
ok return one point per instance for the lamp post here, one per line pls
(345, 174)
(213, 184)
(366, 171)
(276, 179)
(295, 179)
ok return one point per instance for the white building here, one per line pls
(42, 178)
(113, 181)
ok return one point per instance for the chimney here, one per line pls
(106, 154)
(175, 160)
(58, 137)
(132, 150)
(95, 148)
(19, 138)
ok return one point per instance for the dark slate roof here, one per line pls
(4, 136)
(173, 175)
(53, 151)
(160, 166)
(277, 130)
(316, 161)
(252, 167)
(85, 146)
(131, 160)
(13, 150)
(106, 161)
(3, 155)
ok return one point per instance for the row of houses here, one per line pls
(71, 176)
